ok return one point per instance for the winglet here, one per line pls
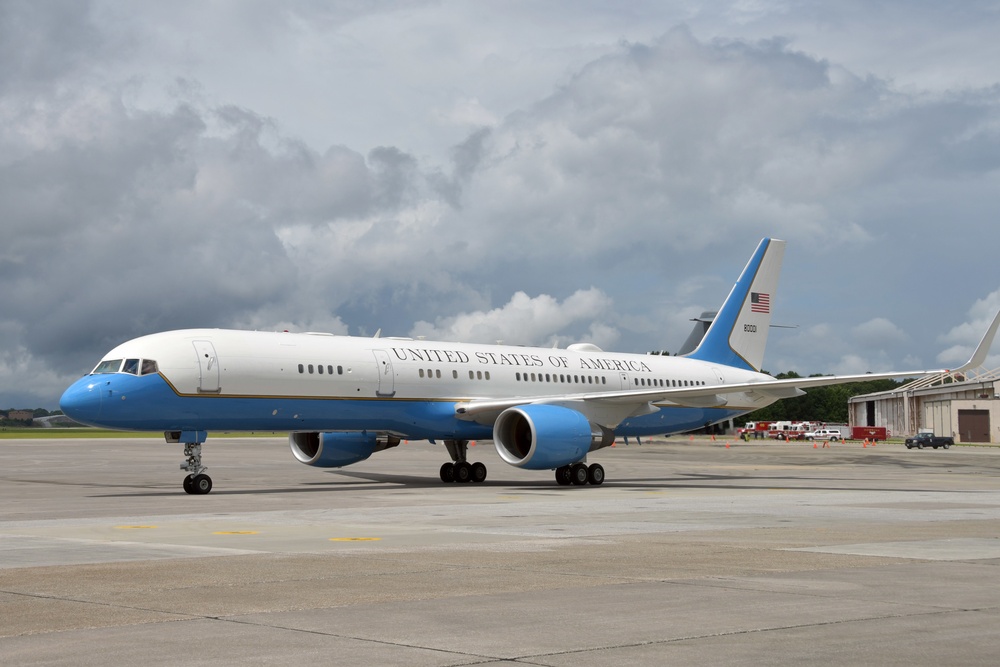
(979, 356)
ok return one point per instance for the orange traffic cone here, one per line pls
(727, 444)
(814, 444)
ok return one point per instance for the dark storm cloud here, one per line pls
(43, 42)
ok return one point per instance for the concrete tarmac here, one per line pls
(691, 553)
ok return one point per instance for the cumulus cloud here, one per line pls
(879, 333)
(966, 336)
(525, 320)
(153, 176)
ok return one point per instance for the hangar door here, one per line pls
(974, 425)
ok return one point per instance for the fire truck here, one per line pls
(754, 430)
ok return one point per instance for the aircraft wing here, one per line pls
(611, 407)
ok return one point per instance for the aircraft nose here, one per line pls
(82, 401)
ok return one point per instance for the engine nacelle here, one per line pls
(336, 450)
(540, 437)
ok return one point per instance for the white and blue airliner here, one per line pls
(343, 398)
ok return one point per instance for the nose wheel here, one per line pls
(197, 483)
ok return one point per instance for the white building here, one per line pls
(964, 406)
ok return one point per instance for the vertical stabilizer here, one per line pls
(738, 335)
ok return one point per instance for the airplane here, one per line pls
(344, 398)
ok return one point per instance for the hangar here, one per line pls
(965, 406)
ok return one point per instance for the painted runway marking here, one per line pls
(355, 539)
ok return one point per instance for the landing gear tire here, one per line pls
(564, 475)
(463, 472)
(197, 485)
(595, 474)
(578, 474)
(448, 473)
(478, 472)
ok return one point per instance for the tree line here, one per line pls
(820, 404)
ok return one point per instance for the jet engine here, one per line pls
(540, 437)
(336, 450)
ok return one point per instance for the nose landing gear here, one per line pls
(196, 482)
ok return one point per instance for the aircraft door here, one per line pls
(208, 366)
(386, 387)
(624, 380)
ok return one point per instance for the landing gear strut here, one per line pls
(579, 474)
(461, 470)
(196, 482)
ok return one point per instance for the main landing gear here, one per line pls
(461, 470)
(579, 474)
(196, 482)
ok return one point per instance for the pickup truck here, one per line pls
(922, 440)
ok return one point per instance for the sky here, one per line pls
(536, 173)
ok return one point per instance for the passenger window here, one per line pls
(149, 367)
(302, 369)
(340, 370)
(437, 374)
(454, 375)
(320, 369)
(310, 369)
(109, 366)
(131, 366)
(420, 372)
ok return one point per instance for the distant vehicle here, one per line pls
(831, 434)
(788, 430)
(754, 430)
(869, 433)
(921, 440)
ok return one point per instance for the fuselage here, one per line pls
(214, 379)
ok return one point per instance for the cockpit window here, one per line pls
(131, 366)
(108, 366)
(149, 367)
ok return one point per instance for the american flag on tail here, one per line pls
(760, 302)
